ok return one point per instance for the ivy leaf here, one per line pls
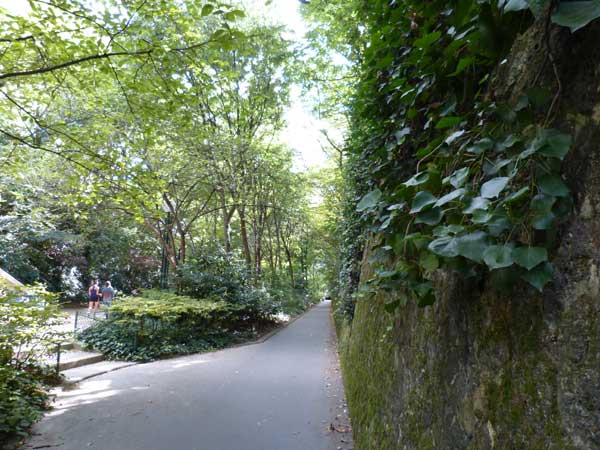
(498, 225)
(369, 201)
(450, 196)
(576, 14)
(553, 185)
(446, 246)
(401, 134)
(537, 6)
(419, 178)
(481, 146)
(529, 257)
(396, 206)
(445, 230)
(386, 223)
(428, 261)
(492, 168)
(472, 245)
(426, 41)
(516, 196)
(431, 217)
(492, 188)
(462, 65)
(541, 206)
(515, 5)
(481, 216)
(557, 144)
(539, 276)
(422, 200)
(454, 136)
(498, 256)
(458, 177)
(448, 122)
(477, 203)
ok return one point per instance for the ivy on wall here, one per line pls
(449, 176)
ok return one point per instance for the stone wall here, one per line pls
(483, 369)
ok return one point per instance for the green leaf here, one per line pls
(426, 41)
(454, 136)
(557, 144)
(472, 245)
(462, 65)
(448, 122)
(539, 276)
(450, 196)
(492, 188)
(458, 177)
(369, 201)
(481, 216)
(428, 261)
(529, 257)
(516, 196)
(477, 203)
(431, 217)
(553, 185)
(234, 15)
(422, 200)
(445, 230)
(576, 14)
(515, 5)
(498, 256)
(416, 180)
(541, 207)
(493, 167)
(401, 134)
(481, 146)
(498, 225)
(445, 246)
(207, 9)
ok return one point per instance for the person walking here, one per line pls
(108, 293)
(94, 297)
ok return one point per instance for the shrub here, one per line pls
(26, 336)
(23, 398)
(212, 273)
(162, 323)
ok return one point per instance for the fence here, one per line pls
(85, 320)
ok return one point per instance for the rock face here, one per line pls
(483, 369)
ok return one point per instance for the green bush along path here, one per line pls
(284, 393)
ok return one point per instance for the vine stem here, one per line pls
(546, 38)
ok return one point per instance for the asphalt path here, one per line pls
(282, 394)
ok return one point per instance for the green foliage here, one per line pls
(23, 399)
(448, 176)
(568, 13)
(26, 336)
(27, 317)
(160, 323)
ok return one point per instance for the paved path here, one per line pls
(283, 394)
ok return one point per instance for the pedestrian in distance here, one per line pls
(108, 294)
(94, 297)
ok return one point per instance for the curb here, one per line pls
(70, 383)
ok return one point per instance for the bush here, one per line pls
(26, 336)
(161, 323)
(211, 273)
(23, 398)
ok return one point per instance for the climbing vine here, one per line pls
(448, 175)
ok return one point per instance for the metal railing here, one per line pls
(85, 320)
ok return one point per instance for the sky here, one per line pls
(303, 132)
